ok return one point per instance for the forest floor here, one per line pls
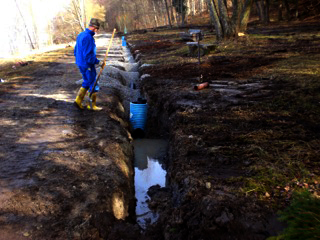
(240, 148)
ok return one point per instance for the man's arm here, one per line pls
(88, 51)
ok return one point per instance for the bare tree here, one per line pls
(225, 26)
(181, 8)
(25, 24)
(167, 9)
(263, 10)
(78, 12)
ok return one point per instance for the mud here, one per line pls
(65, 173)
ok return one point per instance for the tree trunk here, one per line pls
(200, 6)
(182, 13)
(77, 13)
(224, 19)
(24, 22)
(245, 14)
(155, 14)
(261, 11)
(165, 1)
(83, 8)
(280, 18)
(286, 4)
(296, 9)
(215, 19)
(225, 26)
(193, 8)
(267, 8)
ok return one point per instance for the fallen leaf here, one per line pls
(267, 194)
(287, 188)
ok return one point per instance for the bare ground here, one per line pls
(240, 148)
(64, 173)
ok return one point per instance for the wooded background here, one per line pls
(34, 24)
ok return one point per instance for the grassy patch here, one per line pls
(302, 217)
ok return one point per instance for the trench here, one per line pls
(121, 74)
(149, 166)
(149, 170)
(149, 154)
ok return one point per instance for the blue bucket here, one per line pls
(138, 115)
(124, 43)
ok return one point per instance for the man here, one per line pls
(85, 54)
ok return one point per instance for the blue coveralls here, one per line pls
(85, 53)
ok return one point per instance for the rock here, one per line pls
(67, 133)
(247, 162)
(144, 76)
(208, 206)
(222, 193)
(214, 149)
(225, 217)
(145, 65)
(186, 181)
(153, 189)
(138, 57)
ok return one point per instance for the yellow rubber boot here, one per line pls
(78, 102)
(94, 103)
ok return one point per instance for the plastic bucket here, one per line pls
(124, 43)
(138, 115)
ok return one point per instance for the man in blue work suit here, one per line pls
(85, 53)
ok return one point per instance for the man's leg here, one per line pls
(83, 90)
(81, 94)
(92, 75)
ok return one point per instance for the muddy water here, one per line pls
(149, 171)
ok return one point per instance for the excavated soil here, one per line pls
(213, 138)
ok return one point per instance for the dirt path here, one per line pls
(61, 169)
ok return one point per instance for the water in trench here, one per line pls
(149, 171)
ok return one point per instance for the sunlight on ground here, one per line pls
(7, 122)
(118, 206)
(59, 96)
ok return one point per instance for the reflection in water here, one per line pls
(148, 172)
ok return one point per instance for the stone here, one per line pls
(225, 217)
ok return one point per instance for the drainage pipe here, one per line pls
(201, 86)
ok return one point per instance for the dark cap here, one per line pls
(94, 23)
